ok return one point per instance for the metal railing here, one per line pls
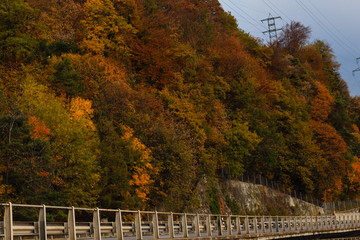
(156, 225)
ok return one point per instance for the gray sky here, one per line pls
(333, 21)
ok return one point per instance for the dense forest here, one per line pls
(130, 103)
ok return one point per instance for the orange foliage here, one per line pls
(333, 146)
(354, 175)
(232, 61)
(321, 104)
(336, 188)
(141, 169)
(39, 129)
(43, 174)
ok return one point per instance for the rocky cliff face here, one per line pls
(236, 197)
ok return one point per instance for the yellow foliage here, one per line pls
(97, 71)
(72, 138)
(81, 109)
(105, 28)
(141, 169)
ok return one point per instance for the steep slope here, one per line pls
(130, 103)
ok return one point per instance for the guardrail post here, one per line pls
(238, 226)
(350, 222)
(288, 220)
(71, 224)
(219, 226)
(270, 224)
(276, 224)
(228, 221)
(208, 225)
(8, 222)
(355, 220)
(282, 224)
(304, 223)
(262, 224)
(155, 220)
(42, 223)
(138, 229)
(171, 225)
(119, 227)
(345, 221)
(335, 222)
(325, 222)
(340, 221)
(247, 227)
(295, 224)
(197, 225)
(96, 223)
(255, 225)
(184, 223)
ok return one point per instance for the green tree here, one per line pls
(66, 79)
(16, 23)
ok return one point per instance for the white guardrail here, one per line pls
(137, 224)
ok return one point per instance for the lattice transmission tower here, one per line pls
(272, 30)
(357, 69)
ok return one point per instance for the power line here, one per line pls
(255, 20)
(280, 11)
(357, 69)
(272, 30)
(324, 27)
(337, 40)
(344, 37)
(243, 17)
(275, 11)
(250, 8)
(346, 59)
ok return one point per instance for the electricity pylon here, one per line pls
(357, 69)
(272, 30)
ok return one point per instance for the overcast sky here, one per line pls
(333, 21)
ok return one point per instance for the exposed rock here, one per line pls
(236, 197)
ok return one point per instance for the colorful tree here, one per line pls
(334, 148)
(106, 31)
(72, 140)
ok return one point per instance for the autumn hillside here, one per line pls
(130, 103)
